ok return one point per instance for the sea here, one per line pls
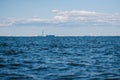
(60, 58)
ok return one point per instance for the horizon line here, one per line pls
(69, 36)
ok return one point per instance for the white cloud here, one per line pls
(87, 16)
(67, 18)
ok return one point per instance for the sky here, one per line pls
(60, 17)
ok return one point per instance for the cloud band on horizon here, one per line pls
(67, 18)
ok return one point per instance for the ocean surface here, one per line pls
(60, 58)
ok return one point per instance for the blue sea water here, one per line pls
(60, 58)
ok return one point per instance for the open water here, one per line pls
(60, 58)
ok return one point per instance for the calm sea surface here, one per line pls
(60, 58)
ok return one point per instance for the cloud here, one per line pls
(86, 17)
(67, 18)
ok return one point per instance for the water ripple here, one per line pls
(60, 58)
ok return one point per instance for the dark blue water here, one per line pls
(60, 58)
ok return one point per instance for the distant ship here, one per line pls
(50, 36)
